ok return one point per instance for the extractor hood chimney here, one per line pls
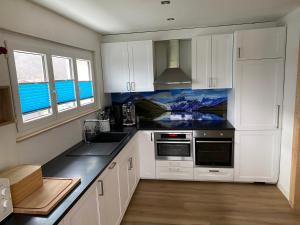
(173, 77)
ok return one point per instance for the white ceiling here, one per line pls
(126, 16)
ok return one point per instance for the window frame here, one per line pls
(48, 49)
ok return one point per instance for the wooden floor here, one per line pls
(195, 203)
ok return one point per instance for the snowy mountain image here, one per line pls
(159, 104)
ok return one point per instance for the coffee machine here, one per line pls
(128, 112)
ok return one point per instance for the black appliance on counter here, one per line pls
(173, 145)
(213, 148)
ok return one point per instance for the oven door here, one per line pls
(173, 150)
(214, 152)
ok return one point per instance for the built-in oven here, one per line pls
(213, 148)
(173, 145)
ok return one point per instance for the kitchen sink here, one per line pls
(103, 144)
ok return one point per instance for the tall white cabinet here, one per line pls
(127, 66)
(257, 102)
(212, 61)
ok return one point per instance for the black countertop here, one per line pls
(88, 168)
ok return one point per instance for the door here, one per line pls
(115, 67)
(259, 92)
(85, 210)
(201, 62)
(260, 43)
(257, 155)
(146, 154)
(141, 66)
(109, 196)
(222, 57)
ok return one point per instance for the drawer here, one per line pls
(213, 174)
(174, 173)
(166, 163)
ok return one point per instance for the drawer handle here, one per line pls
(130, 163)
(112, 165)
(214, 171)
(100, 183)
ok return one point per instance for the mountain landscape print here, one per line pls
(182, 104)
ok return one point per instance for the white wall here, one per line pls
(182, 33)
(26, 18)
(292, 21)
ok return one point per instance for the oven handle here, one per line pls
(214, 142)
(173, 142)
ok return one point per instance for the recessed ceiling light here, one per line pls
(170, 19)
(165, 2)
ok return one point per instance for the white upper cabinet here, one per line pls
(260, 43)
(115, 67)
(258, 91)
(212, 61)
(127, 66)
(201, 62)
(141, 66)
(222, 55)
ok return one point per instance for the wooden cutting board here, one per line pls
(44, 199)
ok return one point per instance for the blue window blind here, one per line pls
(34, 97)
(65, 91)
(85, 89)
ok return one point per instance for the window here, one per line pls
(53, 83)
(85, 81)
(64, 83)
(33, 85)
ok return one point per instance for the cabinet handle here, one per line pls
(128, 86)
(278, 116)
(130, 163)
(100, 183)
(214, 171)
(112, 165)
(132, 86)
(151, 137)
(239, 53)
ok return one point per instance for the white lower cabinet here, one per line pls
(109, 196)
(257, 155)
(174, 173)
(213, 174)
(85, 211)
(146, 154)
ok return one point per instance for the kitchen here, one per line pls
(209, 103)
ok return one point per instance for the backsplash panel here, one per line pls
(182, 104)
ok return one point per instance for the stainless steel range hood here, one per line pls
(173, 77)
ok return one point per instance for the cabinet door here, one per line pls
(146, 154)
(222, 57)
(257, 156)
(259, 92)
(132, 172)
(85, 211)
(109, 196)
(201, 62)
(260, 43)
(141, 65)
(124, 182)
(115, 67)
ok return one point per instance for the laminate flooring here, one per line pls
(157, 202)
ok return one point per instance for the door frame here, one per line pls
(294, 197)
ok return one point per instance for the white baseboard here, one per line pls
(285, 192)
